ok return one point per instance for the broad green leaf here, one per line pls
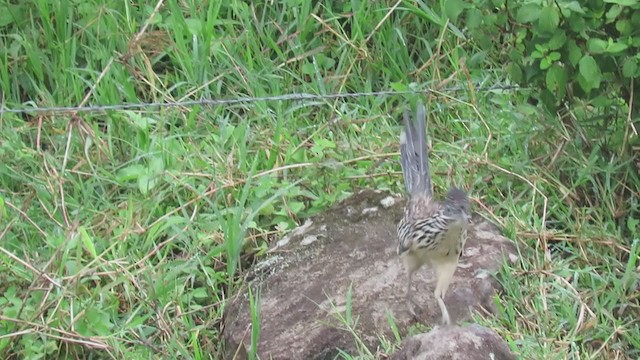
(596, 46)
(632, 224)
(556, 80)
(474, 18)
(453, 8)
(616, 47)
(515, 72)
(200, 293)
(140, 121)
(528, 13)
(9, 13)
(398, 86)
(630, 67)
(156, 165)
(296, 206)
(578, 24)
(549, 19)
(572, 6)
(146, 183)
(557, 40)
(624, 27)
(194, 26)
(635, 18)
(590, 71)
(575, 53)
(131, 172)
(623, 2)
(308, 69)
(613, 13)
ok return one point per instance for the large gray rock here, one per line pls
(472, 342)
(305, 281)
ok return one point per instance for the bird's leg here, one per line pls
(444, 274)
(412, 264)
(463, 241)
(409, 298)
(443, 308)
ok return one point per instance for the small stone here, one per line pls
(308, 240)
(370, 210)
(388, 202)
(297, 232)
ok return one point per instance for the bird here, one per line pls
(430, 231)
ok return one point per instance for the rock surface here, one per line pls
(305, 282)
(472, 342)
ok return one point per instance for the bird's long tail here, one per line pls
(414, 157)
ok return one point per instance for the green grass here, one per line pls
(123, 233)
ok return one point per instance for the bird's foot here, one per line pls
(446, 321)
(414, 309)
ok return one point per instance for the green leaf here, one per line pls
(615, 47)
(139, 121)
(398, 86)
(624, 27)
(453, 8)
(296, 206)
(528, 13)
(156, 166)
(623, 2)
(130, 173)
(556, 80)
(630, 67)
(557, 40)
(9, 14)
(194, 26)
(3, 209)
(549, 19)
(575, 53)
(578, 24)
(146, 183)
(87, 241)
(590, 71)
(537, 55)
(632, 224)
(572, 6)
(308, 69)
(613, 13)
(200, 293)
(601, 101)
(474, 19)
(515, 72)
(596, 46)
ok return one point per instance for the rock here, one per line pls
(472, 342)
(351, 249)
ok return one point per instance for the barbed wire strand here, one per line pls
(217, 102)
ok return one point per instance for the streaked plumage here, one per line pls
(430, 232)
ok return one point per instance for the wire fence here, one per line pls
(216, 102)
